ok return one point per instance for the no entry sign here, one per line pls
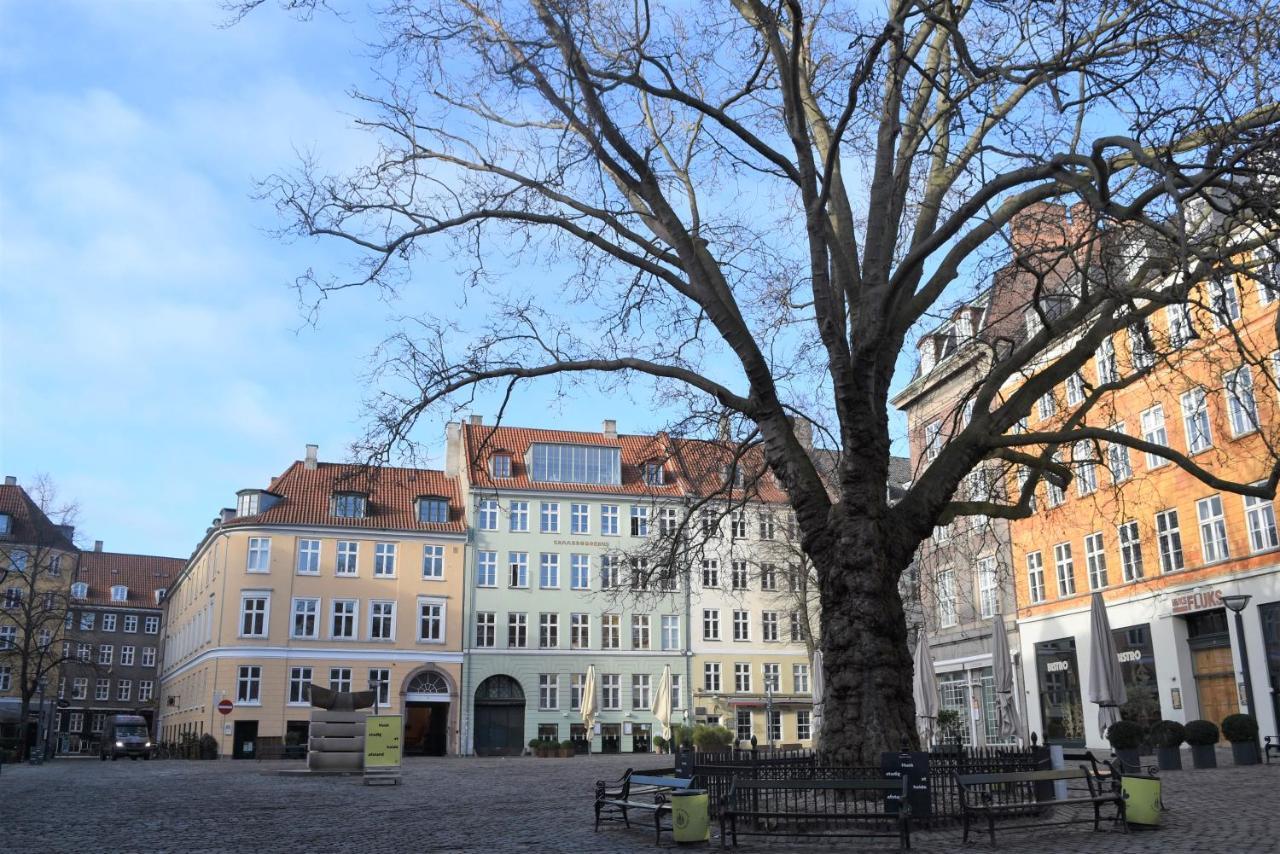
(225, 706)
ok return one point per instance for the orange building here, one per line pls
(1162, 546)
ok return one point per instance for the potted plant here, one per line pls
(1167, 736)
(949, 732)
(1202, 736)
(1126, 741)
(1242, 732)
(535, 747)
(566, 750)
(660, 743)
(710, 738)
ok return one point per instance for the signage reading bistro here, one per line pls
(1202, 601)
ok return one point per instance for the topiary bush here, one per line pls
(1202, 733)
(1125, 735)
(681, 736)
(1167, 734)
(707, 737)
(1240, 728)
(208, 747)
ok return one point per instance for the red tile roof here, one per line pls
(28, 523)
(141, 574)
(305, 497)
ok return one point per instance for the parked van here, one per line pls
(126, 735)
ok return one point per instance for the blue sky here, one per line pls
(153, 359)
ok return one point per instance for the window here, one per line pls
(798, 631)
(259, 559)
(342, 620)
(549, 517)
(500, 465)
(742, 678)
(711, 573)
(548, 571)
(548, 691)
(639, 521)
(742, 725)
(576, 464)
(667, 525)
(8, 637)
(580, 518)
(1242, 410)
(609, 572)
(75, 722)
(380, 681)
(86, 617)
(670, 632)
(1086, 469)
(738, 525)
(775, 726)
(249, 684)
(1095, 559)
(487, 514)
(1213, 529)
(1268, 276)
(772, 677)
(947, 604)
(548, 631)
(767, 525)
(711, 676)
(486, 630)
(80, 688)
(804, 730)
(609, 519)
(340, 678)
(124, 689)
(1105, 359)
(84, 652)
(1181, 329)
(102, 690)
(1054, 494)
(304, 619)
(710, 624)
(1224, 299)
(708, 523)
(1141, 356)
(579, 631)
(1046, 405)
(517, 630)
(800, 678)
(518, 518)
(742, 625)
(79, 590)
(431, 621)
(1075, 389)
(1035, 577)
(382, 620)
(640, 573)
(253, 615)
(640, 692)
(433, 510)
(1118, 458)
(1195, 418)
(145, 690)
(433, 562)
(105, 653)
(932, 440)
(348, 505)
(148, 656)
(1064, 564)
(126, 656)
(768, 625)
(739, 575)
(384, 560)
(987, 591)
(1170, 539)
(640, 631)
(348, 553)
(308, 557)
(519, 569)
(1153, 431)
(119, 593)
(108, 622)
(1260, 516)
(677, 691)
(610, 631)
(654, 474)
(1130, 551)
(768, 577)
(611, 692)
(579, 572)
(486, 569)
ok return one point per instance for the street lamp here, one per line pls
(1236, 604)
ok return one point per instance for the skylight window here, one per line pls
(576, 464)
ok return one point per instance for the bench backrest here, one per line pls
(892, 785)
(1080, 773)
(664, 782)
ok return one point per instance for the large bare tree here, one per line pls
(759, 204)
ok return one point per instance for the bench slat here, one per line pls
(1022, 777)
(833, 785)
(665, 782)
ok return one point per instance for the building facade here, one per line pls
(339, 575)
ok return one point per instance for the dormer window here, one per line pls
(251, 502)
(80, 590)
(349, 505)
(928, 350)
(654, 474)
(733, 474)
(6, 523)
(500, 465)
(119, 593)
(433, 509)
(598, 464)
(160, 591)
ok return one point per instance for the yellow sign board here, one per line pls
(382, 735)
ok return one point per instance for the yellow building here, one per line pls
(339, 575)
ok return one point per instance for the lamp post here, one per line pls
(768, 712)
(1236, 604)
(375, 687)
(40, 724)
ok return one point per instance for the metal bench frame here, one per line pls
(1103, 790)
(729, 813)
(621, 796)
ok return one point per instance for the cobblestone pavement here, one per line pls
(496, 805)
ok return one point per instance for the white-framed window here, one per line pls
(259, 556)
(384, 560)
(1213, 529)
(1130, 550)
(768, 625)
(108, 622)
(1169, 538)
(772, 676)
(775, 725)
(306, 623)
(151, 625)
(380, 681)
(768, 525)
(667, 522)
(124, 689)
(84, 652)
(348, 558)
(8, 637)
(1141, 356)
(677, 691)
(500, 465)
(987, 587)
(1075, 389)
(579, 518)
(742, 725)
(711, 676)
(1064, 565)
(249, 685)
(1035, 577)
(80, 688)
(1153, 431)
(579, 572)
(549, 517)
(639, 520)
(579, 631)
(947, 605)
(548, 630)
(739, 575)
(548, 691)
(1195, 418)
(742, 677)
(126, 655)
(711, 624)
(86, 617)
(640, 699)
(106, 652)
(344, 618)
(119, 593)
(349, 505)
(517, 630)
(742, 625)
(610, 572)
(102, 690)
(487, 514)
(549, 570)
(1118, 458)
(804, 725)
(433, 563)
(640, 631)
(738, 525)
(610, 631)
(1054, 493)
(670, 631)
(654, 474)
(518, 566)
(800, 678)
(768, 577)
(1224, 299)
(932, 440)
(430, 620)
(148, 656)
(609, 520)
(1095, 559)
(1242, 409)
(486, 629)
(308, 557)
(1086, 469)
(1181, 329)
(486, 569)
(611, 692)
(79, 590)
(433, 510)
(254, 608)
(1260, 516)
(710, 573)
(1046, 405)
(146, 688)
(518, 520)
(339, 678)
(1105, 360)
(382, 620)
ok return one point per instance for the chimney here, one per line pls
(226, 514)
(722, 427)
(453, 449)
(309, 462)
(10, 480)
(610, 428)
(1039, 227)
(68, 531)
(476, 420)
(97, 545)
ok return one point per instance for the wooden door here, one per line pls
(1215, 683)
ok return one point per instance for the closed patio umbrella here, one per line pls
(1106, 682)
(662, 702)
(819, 688)
(924, 688)
(1002, 681)
(588, 709)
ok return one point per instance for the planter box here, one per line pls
(1130, 761)
(1169, 758)
(1204, 756)
(1244, 752)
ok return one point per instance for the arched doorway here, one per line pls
(499, 717)
(426, 721)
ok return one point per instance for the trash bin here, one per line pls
(690, 816)
(1141, 800)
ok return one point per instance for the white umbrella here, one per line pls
(1002, 680)
(662, 702)
(1106, 682)
(924, 689)
(819, 688)
(588, 709)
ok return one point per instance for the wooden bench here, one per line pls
(629, 793)
(813, 807)
(1013, 794)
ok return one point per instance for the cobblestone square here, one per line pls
(496, 805)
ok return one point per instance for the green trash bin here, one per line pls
(1141, 800)
(690, 816)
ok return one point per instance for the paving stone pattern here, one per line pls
(498, 805)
